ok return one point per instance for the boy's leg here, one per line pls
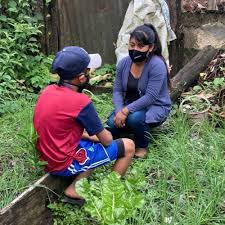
(71, 190)
(121, 165)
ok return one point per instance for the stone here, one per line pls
(207, 34)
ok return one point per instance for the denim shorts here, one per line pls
(95, 155)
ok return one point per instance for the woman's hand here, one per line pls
(121, 117)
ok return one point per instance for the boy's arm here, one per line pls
(88, 117)
(103, 137)
(86, 136)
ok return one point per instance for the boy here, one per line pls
(62, 113)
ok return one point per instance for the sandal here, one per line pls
(73, 201)
(139, 158)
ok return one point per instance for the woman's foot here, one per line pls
(140, 152)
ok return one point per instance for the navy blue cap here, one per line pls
(72, 61)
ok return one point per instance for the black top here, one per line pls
(132, 89)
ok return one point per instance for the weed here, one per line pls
(67, 214)
(210, 86)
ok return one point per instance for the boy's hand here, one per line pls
(86, 136)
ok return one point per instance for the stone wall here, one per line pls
(200, 30)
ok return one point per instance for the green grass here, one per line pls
(184, 168)
(103, 105)
(18, 163)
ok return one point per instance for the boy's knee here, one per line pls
(129, 147)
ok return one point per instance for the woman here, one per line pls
(140, 94)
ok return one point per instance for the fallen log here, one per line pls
(30, 207)
(191, 71)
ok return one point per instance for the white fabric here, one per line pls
(96, 61)
(139, 12)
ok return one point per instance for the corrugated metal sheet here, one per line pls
(92, 24)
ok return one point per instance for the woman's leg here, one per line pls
(112, 128)
(136, 124)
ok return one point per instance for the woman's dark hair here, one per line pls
(147, 35)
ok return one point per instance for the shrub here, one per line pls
(22, 64)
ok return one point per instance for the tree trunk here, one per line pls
(191, 71)
(175, 11)
(176, 46)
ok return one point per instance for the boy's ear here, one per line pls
(82, 78)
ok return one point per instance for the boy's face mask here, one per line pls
(80, 86)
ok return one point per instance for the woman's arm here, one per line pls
(118, 100)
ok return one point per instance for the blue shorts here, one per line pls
(96, 155)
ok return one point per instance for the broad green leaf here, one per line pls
(111, 200)
(218, 81)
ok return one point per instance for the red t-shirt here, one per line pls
(60, 117)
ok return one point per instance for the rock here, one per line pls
(208, 34)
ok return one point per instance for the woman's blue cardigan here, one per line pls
(152, 87)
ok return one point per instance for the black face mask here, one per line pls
(137, 56)
(81, 87)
